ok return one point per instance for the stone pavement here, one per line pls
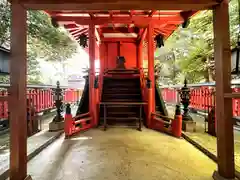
(207, 141)
(35, 144)
(121, 154)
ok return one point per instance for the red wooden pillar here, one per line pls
(222, 54)
(151, 95)
(102, 62)
(105, 56)
(139, 55)
(17, 93)
(92, 98)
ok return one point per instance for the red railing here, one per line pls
(41, 96)
(202, 96)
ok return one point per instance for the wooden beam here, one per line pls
(122, 20)
(118, 30)
(3, 98)
(152, 13)
(222, 56)
(82, 31)
(140, 34)
(17, 93)
(117, 5)
(130, 40)
(74, 31)
(143, 35)
(232, 95)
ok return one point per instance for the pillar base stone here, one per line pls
(216, 176)
(56, 126)
(189, 126)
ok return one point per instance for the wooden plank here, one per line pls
(165, 117)
(117, 5)
(17, 94)
(3, 98)
(123, 103)
(161, 120)
(232, 95)
(140, 21)
(222, 56)
(130, 40)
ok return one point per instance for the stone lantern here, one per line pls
(57, 123)
(185, 95)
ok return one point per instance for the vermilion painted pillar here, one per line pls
(17, 93)
(105, 56)
(151, 96)
(102, 65)
(92, 98)
(139, 55)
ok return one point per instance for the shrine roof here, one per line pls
(127, 24)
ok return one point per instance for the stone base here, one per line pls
(216, 176)
(28, 178)
(189, 126)
(56, 126)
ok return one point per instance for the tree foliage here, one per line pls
(44, 40)
(193, 46)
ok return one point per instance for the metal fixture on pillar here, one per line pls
(58, 98)
(185, 100)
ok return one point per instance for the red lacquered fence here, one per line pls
(202, 96)
(42, 97)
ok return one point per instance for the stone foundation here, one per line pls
(56, 126)
(189, 126)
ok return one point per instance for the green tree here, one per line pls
(44, 40)
(193, 46)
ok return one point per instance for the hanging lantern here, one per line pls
(185, 15)
(54, 22)
(83, 40)
(159, 41)
(186, 23)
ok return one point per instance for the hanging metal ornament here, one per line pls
(159, 41)
(54, 22)
(83, 40)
